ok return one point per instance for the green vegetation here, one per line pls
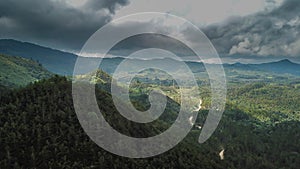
(56, 61)
(39, 129)
(268, 102)
(17, 71)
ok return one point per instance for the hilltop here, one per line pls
(17, 71)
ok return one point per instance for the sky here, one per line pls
(240, 30)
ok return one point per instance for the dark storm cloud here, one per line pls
(269, 33)
(146, 41)
(111, 5)
(57, 24)
(162, 39)
(53, 22)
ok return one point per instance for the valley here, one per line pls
(39, 128)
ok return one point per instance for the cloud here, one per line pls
(270, 33)
(164, 38)
(111, 5)
(274, 31)
(200, 12)
(168, 33)
(55, 23)
(146, 41)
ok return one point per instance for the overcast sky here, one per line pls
(240, 30)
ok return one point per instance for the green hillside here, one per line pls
(268, 102)
(18, 71)
(39, 129)
(53, 60)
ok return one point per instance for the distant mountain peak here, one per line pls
(285, 61)
(238, 63)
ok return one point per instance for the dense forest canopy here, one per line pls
(39, 129)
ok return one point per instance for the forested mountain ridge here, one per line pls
(39, 129)
(17, 71)
(56, 61)
(282, 66)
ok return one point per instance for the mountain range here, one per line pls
(62, 63)
(41, 130)
(56, 61)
